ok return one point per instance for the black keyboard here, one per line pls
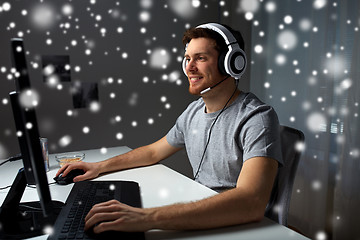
(70, 222)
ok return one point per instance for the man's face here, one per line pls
(202, 65)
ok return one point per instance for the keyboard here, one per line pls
(70, 222)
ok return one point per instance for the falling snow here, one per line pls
(105, 43)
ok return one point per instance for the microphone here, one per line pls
(209, 88)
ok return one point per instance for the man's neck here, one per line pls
(216, 99)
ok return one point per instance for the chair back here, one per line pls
(278, 208)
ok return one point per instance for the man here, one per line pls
(231, 139)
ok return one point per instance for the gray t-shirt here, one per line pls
(247, 128)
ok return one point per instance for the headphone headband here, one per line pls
(220, 29)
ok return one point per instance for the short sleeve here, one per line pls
(175, 136)
(260, 135)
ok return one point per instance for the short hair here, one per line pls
(220, 44)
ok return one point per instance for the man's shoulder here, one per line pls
(250, 102)
(250, 106)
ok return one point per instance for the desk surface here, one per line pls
(159, 185)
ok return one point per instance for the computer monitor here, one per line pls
(23, 220)
(22, 83)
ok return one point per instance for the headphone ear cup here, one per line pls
(221, 63)
(235, 63)
(183, 64)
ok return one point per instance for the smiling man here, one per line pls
(231, 138)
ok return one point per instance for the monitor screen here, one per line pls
(32, 157)
(26, 125)
(22, 83)
(22, 80)
(16, 220)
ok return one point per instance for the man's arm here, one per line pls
(245, 203)
(142, 156)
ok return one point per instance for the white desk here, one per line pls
(159, 186)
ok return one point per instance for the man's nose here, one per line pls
(191, 66)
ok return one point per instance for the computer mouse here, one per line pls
(69, 177)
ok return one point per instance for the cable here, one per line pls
(38, 209)
(30, 207)
(211, 127)
(3, 188)
(34, 186)
(27, 185)
(4, 162)
(12, 159)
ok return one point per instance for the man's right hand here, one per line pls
(91, 170)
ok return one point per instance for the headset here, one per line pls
(233, 61)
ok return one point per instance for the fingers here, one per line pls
(62, 169)
(81, 165)
(65, 169)
(100, 207)
(103, 212)
(112, 223)
(83, 177)
(113, 215)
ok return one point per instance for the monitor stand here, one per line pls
(26, 219)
